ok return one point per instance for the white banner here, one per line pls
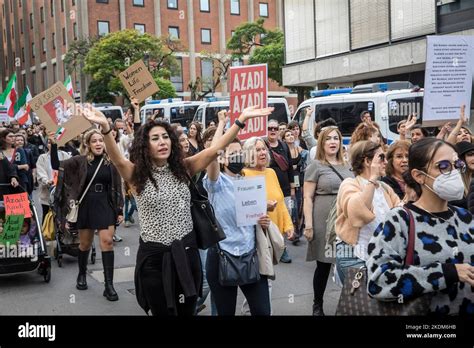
(448, 78)
(250, 200)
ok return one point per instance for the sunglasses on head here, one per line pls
(272, 129)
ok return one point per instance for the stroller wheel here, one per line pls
(47, 275)
(93, 258)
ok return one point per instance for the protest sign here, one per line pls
(249, 87)
(10, 231)
(17, 204)
(448, 78)
(250, 200)
(138, 81)
(57, 111)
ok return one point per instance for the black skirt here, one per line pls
(96, 212)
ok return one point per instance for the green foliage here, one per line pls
(167, 89)
(77, 52)
(98, 92)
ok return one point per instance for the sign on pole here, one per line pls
(249, 87)
(250, 200)
(56, 110)
(448, 78)
(138, 81)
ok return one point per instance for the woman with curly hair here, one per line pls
(168, 269)
(101, 207)
(195, 138)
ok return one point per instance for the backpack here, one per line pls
(48, 226)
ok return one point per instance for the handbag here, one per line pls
(280, 160)
(207, 229)
(238, 270)
(74, 205)
(355, 299)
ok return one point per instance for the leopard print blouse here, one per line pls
(165, 213)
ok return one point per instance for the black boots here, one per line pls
(108, 262)
(81, 283)
(318, 308)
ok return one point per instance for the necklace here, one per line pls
(435, 216)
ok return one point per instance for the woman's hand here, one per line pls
(222, 115)
(94, 116)
(14, 182)
(264, 221)
(290, 234)
(377, 167)
(52, 137)
(465, 273)
(308, 233)
(253, 112)
(119, 219)
(410, 122)
(271, 205)
(309, 112)
(135, 103)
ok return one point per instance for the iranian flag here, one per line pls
(9, 96)
(22, 108)
(68, 84)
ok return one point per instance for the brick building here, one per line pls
(36, 34)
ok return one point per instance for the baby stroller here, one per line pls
(30, 252)
(67, 236)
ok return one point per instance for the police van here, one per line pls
(172, 110)
(388, 103)
(207, 112)
(110, 111)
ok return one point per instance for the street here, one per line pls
(28, 294)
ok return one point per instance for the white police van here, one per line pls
(110, 111)
(207, 112)
(172, 110)
(388, 103)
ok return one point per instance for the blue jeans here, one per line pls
(345, 259)
(129, 201)
(206, 290)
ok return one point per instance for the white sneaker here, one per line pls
(127, 223)
(117, 238)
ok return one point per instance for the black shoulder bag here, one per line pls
(207, 229)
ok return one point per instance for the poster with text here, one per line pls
(250, 200)
(57, 111)
(448, 78)
(249, 87)
(138, 81)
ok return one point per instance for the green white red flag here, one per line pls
(22, 108)
(68, 85)
(9, 96)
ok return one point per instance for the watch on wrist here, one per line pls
(110, 130)
(239, 124)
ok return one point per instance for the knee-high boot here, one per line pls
(108, 262)
(81, 283)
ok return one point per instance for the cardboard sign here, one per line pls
(448, 78)
(10, 232)
(56, 110)
(138, 81)
(250, 200)
(17, 204)
(249, 87)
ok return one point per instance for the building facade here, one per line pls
(36, 34)
(342, 43)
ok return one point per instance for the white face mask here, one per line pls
(120, 131)
(449, 187)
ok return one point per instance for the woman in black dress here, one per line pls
(101, 207)
(195, 138)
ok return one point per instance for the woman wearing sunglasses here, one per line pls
(362, 203)
(444, 237)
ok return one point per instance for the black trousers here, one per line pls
(45, 209)
(153, 289)
(225, 297)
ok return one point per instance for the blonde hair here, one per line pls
(320, 152)
(86, 149)
(249, 150)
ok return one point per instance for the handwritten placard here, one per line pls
(57, 111)
(17, 204)
(250, 200)
(10, 232)
(138, 81)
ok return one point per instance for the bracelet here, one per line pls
(110, 130)
(240, 124)
(308, 228)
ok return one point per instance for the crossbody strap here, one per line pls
(90, 182)
(335, 171)
(411, 239)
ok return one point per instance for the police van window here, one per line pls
(300, 114)
(325, 111)
(199, 114)
(150, 112)
(113, 114)
(183, 114)
(279, 113)
(211, 113)
(350, 115)
(399, 109)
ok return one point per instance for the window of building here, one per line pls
(232, 33)
(263, 7)
(140, 3)
(103, 27)
(21, 26)
(13, 33)
(206, 36)
(207, 74)
(177, 77)
(43, 45)
(173, 4)
(73, 2)
(237, 62)
(51, 4)
(140, 28)
(173, 32)
(74, 30)
(33, 82)
(102, 1)
(62, 5)
(54, 40)
(64, 36)
(235, 7)
(32, 50)
(31, 20)
(23, 54)
(204, 6)
(42, 14)
(45, 77)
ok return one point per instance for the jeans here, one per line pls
(256, 294)
(129, 201)
(205, 285)
(345, 259)
(297, 216)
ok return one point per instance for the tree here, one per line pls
(167, 89)
(116, 51)
(98, 92)
(77, 52)
(220, 66)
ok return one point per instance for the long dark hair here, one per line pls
(140, 155)
(198, 133)
(3, 136)
(420, 155)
